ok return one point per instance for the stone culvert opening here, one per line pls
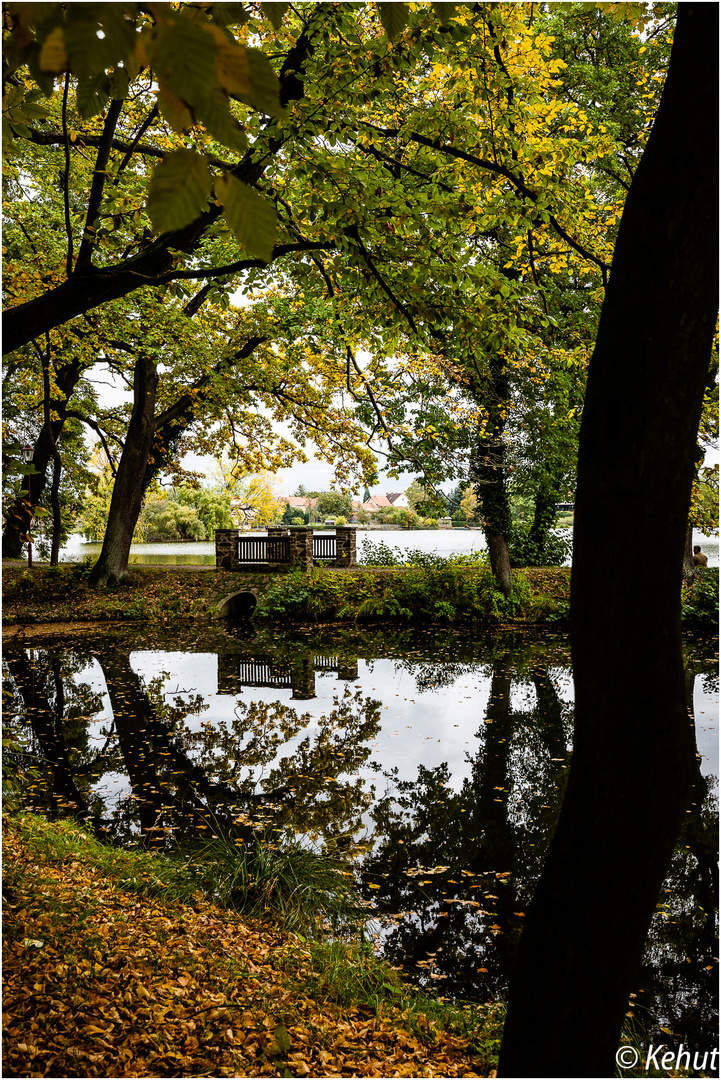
(239, 605)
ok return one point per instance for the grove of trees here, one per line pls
(440, 220)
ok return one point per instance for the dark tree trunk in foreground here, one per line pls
(633, 762)
(127, 499)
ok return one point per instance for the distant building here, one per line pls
(393, 500)
(300, 502)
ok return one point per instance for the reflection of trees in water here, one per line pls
(680, 969)
(462, 864)
(46, 709)
(184, 782)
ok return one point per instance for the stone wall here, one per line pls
(345, 540)
(225, 549)
(301, 549)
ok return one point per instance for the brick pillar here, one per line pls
(345, 545)
(301, 546)
(225, 548)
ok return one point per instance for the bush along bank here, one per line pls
(458, 590)
(119, 966)
(433, 589)
(701, 600)
(447, 593)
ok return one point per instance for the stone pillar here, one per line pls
(345, 545)
(348, 670)
(303, 678)
(225, 548)
(229, 674)
(277, 530)
(301, 546)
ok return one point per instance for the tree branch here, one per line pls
(96, 189)
(66, 181)
(500, 170)
(133, 148)
(355, 235)
(99, 432)
(237, 267)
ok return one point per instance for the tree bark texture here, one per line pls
(19, 515)
(488, 473)
(127, 500)
(633, 761)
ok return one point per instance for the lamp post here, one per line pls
(26, 456)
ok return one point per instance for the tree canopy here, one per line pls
(443, 201)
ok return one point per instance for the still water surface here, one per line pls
(435, 759)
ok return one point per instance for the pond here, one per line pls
(434, 759)
(441, 541)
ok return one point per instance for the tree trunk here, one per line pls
(127, 499)
(500, 560)
(544, 514)
(19, 515)
(55, 504)
(57, 466)
(488, 473)
(633, 762)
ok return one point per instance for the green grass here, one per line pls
(290, 885)
(351, 975)
(146, 873)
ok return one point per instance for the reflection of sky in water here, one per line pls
(418, 727)
(705, 707)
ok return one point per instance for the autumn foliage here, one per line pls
(102, 980)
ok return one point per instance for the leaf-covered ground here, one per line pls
(102, 981)
(169, 594)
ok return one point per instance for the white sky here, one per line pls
(314, 475)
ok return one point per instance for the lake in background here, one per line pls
(441, 541)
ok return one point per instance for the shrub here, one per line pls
(701, 600)
(554, 551)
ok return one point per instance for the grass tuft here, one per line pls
(303, 890)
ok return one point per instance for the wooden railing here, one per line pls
(325, 663)
(263, 673)
(261, 549)
(324, 547)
